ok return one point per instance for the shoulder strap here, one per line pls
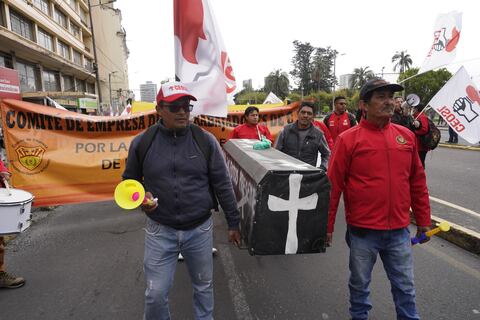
(201, 139)
(144, 145)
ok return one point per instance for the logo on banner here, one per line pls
(228, 71)
(463, 106)
(440, 41)
(31, 159)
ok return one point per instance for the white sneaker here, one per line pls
(214, 251)
(180, 257)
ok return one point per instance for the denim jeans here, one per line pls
(162, 246)
(395, 250)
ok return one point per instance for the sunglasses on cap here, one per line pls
(175, 107)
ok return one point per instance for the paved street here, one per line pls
(85, 262)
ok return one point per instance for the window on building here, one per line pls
(75, 30)
(68, 83)
(81, 86)
(42, 5)
(63, 50)
(83, 16)
(6, 61)
(77, 58)
(51, 80)
(89, 65)
(2, 19)
(91, 87)
(29, 79)
(73, 4)
(45, 39)
(61, 18)
(21, 25)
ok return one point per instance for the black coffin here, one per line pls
(283, 201)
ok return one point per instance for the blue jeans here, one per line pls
(395, 250)
(162, 246)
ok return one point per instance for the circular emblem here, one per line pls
(400, 139)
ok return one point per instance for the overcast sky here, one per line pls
(258, 34)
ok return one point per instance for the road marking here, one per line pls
(452, 205)
(240, 304)
(452, 261)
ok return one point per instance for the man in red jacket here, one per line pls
(250, 129)
(7, 280)
(340, 119)
(377, 168)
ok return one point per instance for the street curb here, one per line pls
(458, 235)
(456, 146)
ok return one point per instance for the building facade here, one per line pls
(50, 44)
(148, 92)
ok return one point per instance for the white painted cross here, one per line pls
(292, 205)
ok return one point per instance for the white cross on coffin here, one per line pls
(292, 205)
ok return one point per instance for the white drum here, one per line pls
(15, 207)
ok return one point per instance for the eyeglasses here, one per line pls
(174, 108)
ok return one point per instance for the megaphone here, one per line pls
(412, 100)
(130, 194)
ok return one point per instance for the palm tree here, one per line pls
(360, 76)
(403, 61)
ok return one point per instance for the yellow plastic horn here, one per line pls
(129, 194)
(442, 226)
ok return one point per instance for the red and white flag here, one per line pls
(201, 60)
(445, 39)
(458, 102)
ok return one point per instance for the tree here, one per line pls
(302, 65)
(425, 85)
(250, 97)
(403, 61)
(322, 75)
(360, 76)
(278, 83)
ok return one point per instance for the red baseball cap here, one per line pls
(172, 91)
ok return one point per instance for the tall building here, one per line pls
(50, 44)
(148, 91)
(344, 82)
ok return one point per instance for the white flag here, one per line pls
(458, 102)
(201, 60)
(55, 103)
(445, 39)
(127, 111)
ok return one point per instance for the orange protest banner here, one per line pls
(65, 157)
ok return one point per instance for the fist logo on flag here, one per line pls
(464, 106)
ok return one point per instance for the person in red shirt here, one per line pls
(250, 129)
(7, 280)
(377, 168)
(420, 128)
(340, 119)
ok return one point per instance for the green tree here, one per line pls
(302, 65)
(322, 76)
(402, 61)
(360, 76)
(250, 97)
(425, 85)
(278, 83)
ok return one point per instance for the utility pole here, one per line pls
(95, 64)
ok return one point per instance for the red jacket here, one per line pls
(328, 136)
(381, 177)
(338, 123)
(2, 169)
(248, 131)
(423, 130)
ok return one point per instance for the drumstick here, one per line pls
(7, 186)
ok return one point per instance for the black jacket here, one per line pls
(176, 172)
(307, 150)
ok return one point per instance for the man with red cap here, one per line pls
(176, 171)
(377, 168)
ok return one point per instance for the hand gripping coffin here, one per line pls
(283, 201)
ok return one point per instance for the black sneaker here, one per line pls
(9, 281)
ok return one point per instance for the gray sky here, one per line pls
(258, 34)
